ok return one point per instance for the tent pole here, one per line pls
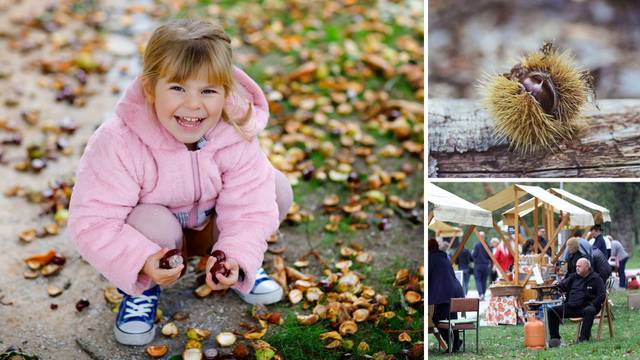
(564, 244)
(526, 227)
(516, 268)
(551, 235)
(552, 240)
(535, 222)
(543, 224)
(465, 237)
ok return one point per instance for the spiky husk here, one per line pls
(519, 117)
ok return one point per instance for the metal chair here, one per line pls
(462, 305)
(605, 311)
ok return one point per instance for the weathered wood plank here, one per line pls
(462, 144)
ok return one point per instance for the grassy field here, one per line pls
(634, 259)
(508, 341)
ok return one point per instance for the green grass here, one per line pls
(634, 258)
(303, 342)
(508, 341)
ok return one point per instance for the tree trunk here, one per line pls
(462, 143)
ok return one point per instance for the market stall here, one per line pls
(513, 288)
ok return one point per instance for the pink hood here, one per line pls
(131, 159)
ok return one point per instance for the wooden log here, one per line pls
(462, 143)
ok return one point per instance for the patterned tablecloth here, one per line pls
(503, 310)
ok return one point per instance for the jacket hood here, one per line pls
(138, 115)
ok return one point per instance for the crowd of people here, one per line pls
(589, 264)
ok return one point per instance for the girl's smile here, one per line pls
(189, 109)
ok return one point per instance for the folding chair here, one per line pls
(462, 305)
(605, 311)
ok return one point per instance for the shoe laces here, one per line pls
(139, 306)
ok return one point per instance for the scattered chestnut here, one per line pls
(307, 172)
(59, 260)
(83, 303)
(53, 306)
(383, 224)
(171, 260)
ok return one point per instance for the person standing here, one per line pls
(618, 252)
(464, 261)
(503, 256)
(598, 243)
(542, 240)
(481, 269)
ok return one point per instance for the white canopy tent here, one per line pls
(452, 208)
(577, 216)
(446, 206)
(601, 212)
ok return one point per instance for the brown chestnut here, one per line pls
(539, 86)
(81, 304)
(219, 255)
(171, 260)
(218, 268)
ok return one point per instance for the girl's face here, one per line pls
(190, 109)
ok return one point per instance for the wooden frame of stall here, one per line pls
(546, 216)
(600, 214)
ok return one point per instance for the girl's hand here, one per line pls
(162, 277)
(223, 282)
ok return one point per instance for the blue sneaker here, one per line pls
(136, 317)
(265, 290)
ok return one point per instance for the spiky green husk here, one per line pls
(519, 117)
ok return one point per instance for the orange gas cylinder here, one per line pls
(533, 333)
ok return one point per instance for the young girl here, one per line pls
(179, 167)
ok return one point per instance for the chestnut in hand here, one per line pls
(219, 255)
(218, 266)
(171, 260)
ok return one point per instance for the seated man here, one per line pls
(585, 294)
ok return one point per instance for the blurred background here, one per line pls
(469, 38)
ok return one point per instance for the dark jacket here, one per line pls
(443, 285)
(600, 244)
(585, 291)
(464, 259)
(572, 261)
(543, 243)
(600, 264)
(479, 255)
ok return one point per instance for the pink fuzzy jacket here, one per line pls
(131, 159)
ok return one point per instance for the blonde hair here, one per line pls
(178, 50)
(573, 244)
